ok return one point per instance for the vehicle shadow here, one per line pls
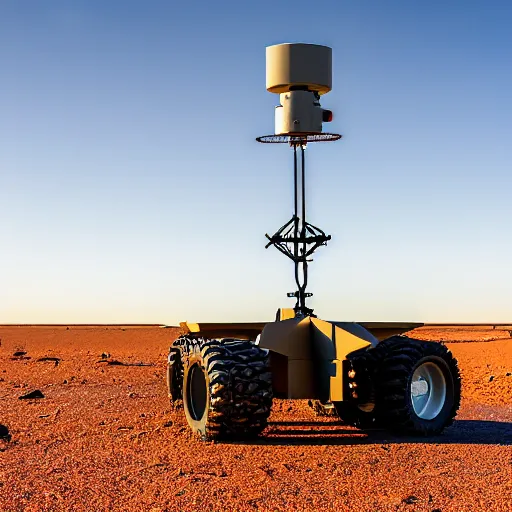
(336, 433)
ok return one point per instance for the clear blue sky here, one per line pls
(132, 190)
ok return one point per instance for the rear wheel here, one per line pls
(227, 387)
(360, 409)
(175, 374)
(404, 385)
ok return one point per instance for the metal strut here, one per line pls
(298, 239)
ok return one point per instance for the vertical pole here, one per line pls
(295, 181)
(303, 209)
(296, 201)
(296, 224)
(300, 229)
(303, 232)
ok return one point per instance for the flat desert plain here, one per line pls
(105, 437)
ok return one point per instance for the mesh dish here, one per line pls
(301, 138)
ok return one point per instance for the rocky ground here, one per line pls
(104, 436)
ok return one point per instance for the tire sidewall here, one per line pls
(198, 426)
(173, 377)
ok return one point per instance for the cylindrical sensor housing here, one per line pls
(299, 112)
(299, 66)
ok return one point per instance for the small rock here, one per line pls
(33, 394)
(491, 378)
(410, 500)
(437, 510)
(55, 360)
(168, 424)
(4, 433)
(65, 381)
(508, 374)
(132, 395)
(19, 353)
(105, 355)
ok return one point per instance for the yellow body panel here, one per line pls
(343, 343)
(190, 327)
(285, 314)
(307, 356)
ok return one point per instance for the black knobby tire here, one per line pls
(404, 359)
(383, 379)
(361, 409)
(175, 370)
(227, 387)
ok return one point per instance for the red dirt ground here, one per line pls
(105, 437)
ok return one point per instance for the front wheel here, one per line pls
(419, 387)
(227, 388)
(403, 385)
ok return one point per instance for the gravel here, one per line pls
(108, 439)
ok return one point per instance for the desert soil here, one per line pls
(105, 437)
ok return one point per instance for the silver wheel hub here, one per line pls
(428, 390)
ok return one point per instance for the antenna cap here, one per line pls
(299, 66)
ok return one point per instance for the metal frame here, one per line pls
(298, 239)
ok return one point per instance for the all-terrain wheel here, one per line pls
(227, 387)
(174, 375)
(361, 409)
(404, 385)
(419, 386)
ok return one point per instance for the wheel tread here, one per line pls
(239, 380)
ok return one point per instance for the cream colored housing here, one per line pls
(299, 64)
